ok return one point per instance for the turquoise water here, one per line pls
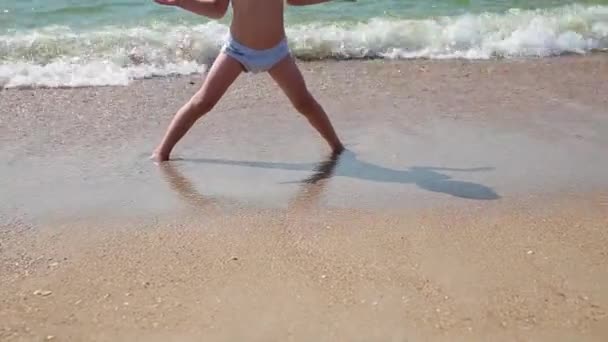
(99, 42)
(90, 13)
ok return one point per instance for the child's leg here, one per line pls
(222, 74)
(287, 75)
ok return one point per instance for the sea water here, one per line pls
(112, 42)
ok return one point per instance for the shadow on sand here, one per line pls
(348, 165)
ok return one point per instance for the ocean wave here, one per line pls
(516, 33)
(59, 56)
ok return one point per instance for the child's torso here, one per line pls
(258, 24)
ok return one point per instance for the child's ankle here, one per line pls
(338, 148)
(160, 156)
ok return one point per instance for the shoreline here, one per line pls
(303, 62)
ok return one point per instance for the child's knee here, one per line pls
(202, 105)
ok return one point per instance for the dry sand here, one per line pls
(472, 206)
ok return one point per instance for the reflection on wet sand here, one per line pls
(308, 194)
(312, 187)
(186, 190)
(348, 165)
(344, 165)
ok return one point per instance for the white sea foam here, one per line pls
(59, 56)
(541, 33)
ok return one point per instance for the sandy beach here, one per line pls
(471, 205)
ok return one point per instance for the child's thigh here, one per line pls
(224, 71)
(288, 76)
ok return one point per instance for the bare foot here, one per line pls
(158, 157)
(338, 149)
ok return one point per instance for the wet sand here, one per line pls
(472, 205)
